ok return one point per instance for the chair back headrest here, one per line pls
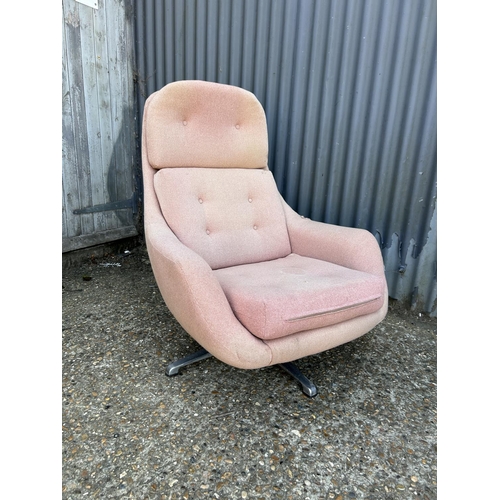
(194, 123)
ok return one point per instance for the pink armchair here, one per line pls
(253, 282)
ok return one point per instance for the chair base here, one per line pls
(308, 388)
(174, 367)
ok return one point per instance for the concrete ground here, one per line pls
(218, 432)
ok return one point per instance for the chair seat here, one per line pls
(276, 298)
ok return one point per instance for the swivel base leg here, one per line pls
(308, 388)
(174, 367)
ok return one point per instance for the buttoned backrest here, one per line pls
(228, 216)
(203, 124)
(208, 144)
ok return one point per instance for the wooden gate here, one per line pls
(99, 147)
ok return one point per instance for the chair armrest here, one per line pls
(194, 296)
(346, 246)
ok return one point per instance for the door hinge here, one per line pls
(112, 205)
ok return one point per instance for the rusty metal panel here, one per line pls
(98, 123)
(349, 89)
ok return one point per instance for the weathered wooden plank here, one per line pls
(93, 111)
(130, 115)
(70, 224)
(98, 238)
(103, 39)
(119, 178)
(78, 113)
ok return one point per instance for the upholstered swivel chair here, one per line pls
(253, 282)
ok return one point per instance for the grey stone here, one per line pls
(215, 431)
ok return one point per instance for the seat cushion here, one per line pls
(280, 297)
(229, 216)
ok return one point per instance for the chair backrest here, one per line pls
(204, 124)
(208, 143)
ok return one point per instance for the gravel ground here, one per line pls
(218, 432)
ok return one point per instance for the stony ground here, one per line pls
(218, 432)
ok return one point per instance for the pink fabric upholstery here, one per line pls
(310, 342)
(195, 298)
(276, 298)
(347, 246)
(204, 124)
(189, 286)
(228, 216)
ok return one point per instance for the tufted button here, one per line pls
(250, 200)
(208, 231)
(255, 227)
(237, 126)
(184, 122)
(200, 200)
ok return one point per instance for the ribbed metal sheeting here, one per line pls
(349, 90)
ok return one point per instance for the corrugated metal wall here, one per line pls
(349, 89)
(99, 151)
